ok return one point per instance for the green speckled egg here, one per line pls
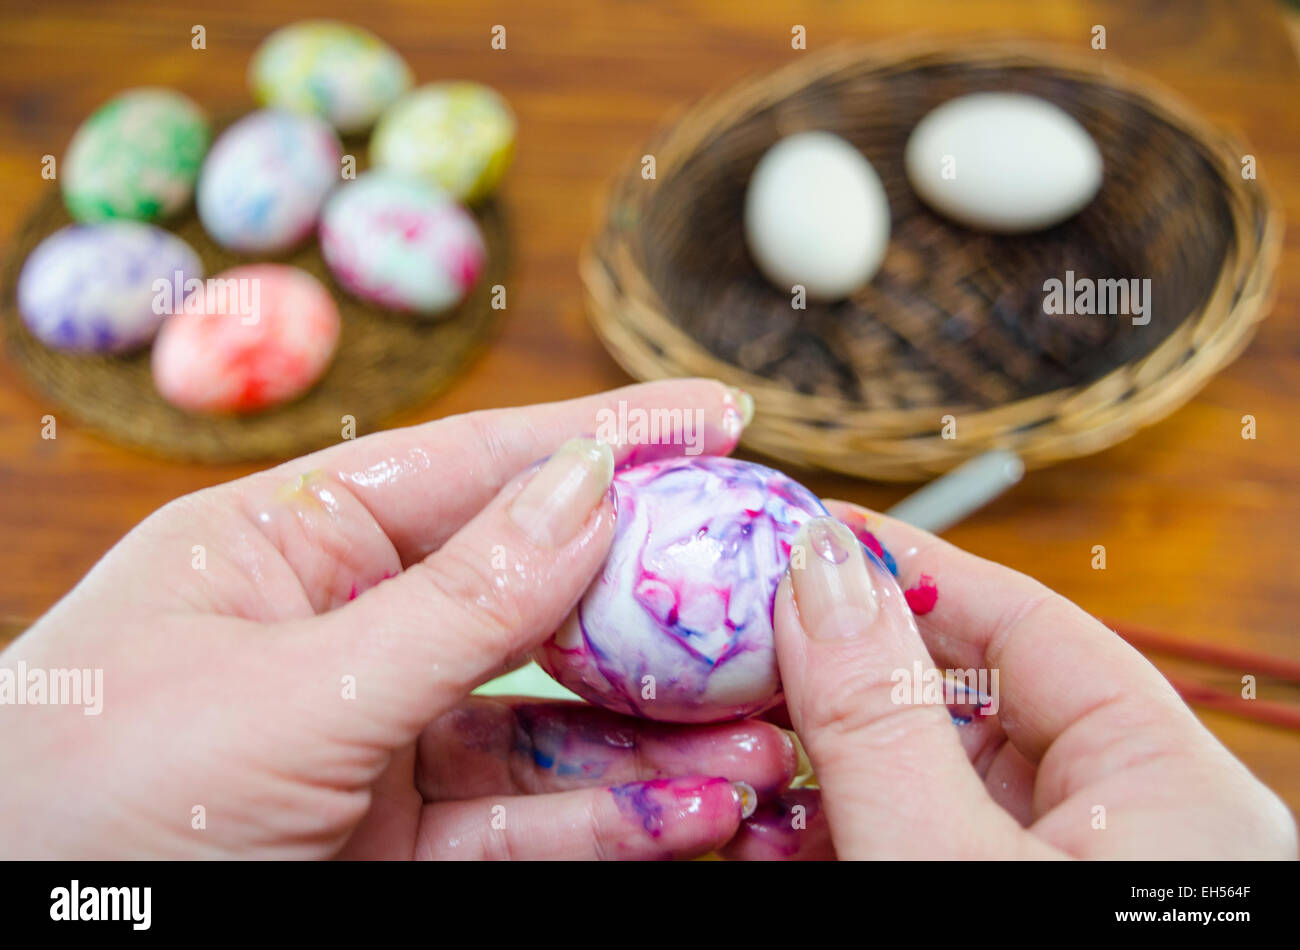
(337, 71)
(136, 157)
(457, 135)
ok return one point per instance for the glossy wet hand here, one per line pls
(1090, 752)
(287, 659)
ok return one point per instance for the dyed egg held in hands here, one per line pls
(339, 72)
(136, 157)
(686, 593)
(401, 243)
(248, 339)
(94, 288)
(264, 182)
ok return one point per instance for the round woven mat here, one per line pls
(386, 362)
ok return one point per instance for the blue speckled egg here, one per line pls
(265, 179)
(104, 288)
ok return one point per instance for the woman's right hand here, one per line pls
(1090, 753)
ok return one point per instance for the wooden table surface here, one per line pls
(1199, 525)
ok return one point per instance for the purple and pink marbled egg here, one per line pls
(678, 624)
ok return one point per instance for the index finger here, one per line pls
(423, 483)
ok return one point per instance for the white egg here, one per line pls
(816, 215)
(1004, 162)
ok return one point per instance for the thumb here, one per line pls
(415, 645)
(895, 780)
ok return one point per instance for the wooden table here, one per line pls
(1199, 525)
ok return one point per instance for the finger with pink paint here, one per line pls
(894, 777)
(1085, 721)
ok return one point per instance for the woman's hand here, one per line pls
(1090, 753)
(287, 661)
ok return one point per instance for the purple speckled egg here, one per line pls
(678, 624)
(104, 288)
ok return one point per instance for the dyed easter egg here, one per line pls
(264, 182)
(136, 157)
(103, 288)
(401, 243)
(250, 338)
(686, 593)
(1003, 162)
(339, 72)
(457, 135)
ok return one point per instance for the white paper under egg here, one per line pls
(1003, 162)
(816, 216)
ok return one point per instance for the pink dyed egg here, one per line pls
(678, 624)
(399, 242)
(249, 338)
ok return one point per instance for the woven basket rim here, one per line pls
(622, 303)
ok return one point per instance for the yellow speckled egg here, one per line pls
(342, 73)
(459, 136)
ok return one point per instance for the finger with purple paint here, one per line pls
(514, 746)
(659, 819)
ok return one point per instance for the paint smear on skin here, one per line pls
(579, 743)
(357, 591)
(656, 804)
(963, 710)
(791, 827)
(923, 596)
(478, 727)
(570, 742)
(859, 524)
(303, 491)
(564, 740)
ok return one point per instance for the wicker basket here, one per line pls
(953, 323)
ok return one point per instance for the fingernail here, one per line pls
(789, 752)
(803, 770)
(739, 411)
(860, 521)
(558, 499)
(831, 583)
(744, 402)
(748, 798)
